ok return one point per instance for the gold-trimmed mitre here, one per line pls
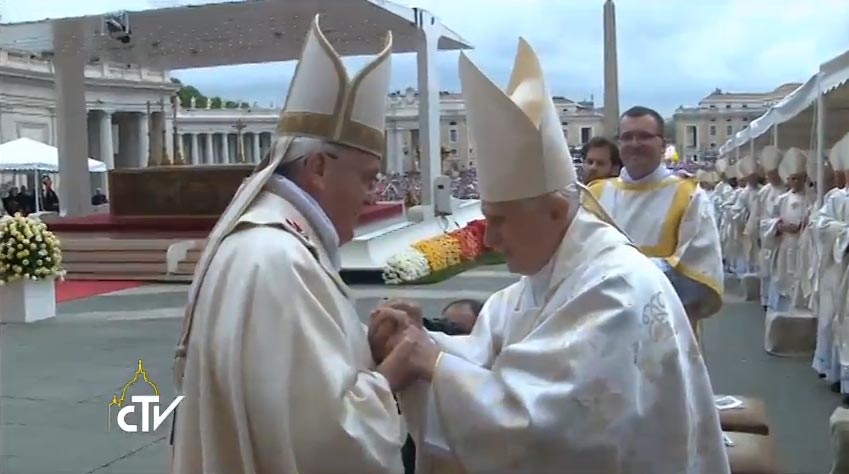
(521, 150)
(324, 103)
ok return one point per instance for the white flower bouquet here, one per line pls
(408, 265)
(28, 250)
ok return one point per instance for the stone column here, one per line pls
(106, 149)
(143, 137)
(195, 149)
(157, 139)
(611, 74)
(74, 187)
(181, 149)
(210, 151)
(225, 148)
(256, 155)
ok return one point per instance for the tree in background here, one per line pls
(187, 92)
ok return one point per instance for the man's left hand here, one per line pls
(423, 351)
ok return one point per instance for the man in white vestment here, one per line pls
(586, 365)
(782, 230)
(731, 247)
(273, 359)
(774, 187)
(707, 181)
(745, 218)
(670, 218)
(829, 224)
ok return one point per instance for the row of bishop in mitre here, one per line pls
(774, 232)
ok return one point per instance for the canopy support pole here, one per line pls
(430, 162)
(71, 121)
(819, 148)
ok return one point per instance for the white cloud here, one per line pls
(671, 52)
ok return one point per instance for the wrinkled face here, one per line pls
(797, 182)
(641, 145)
(598, 165)
(462, 315)
(753, 180)
(526, 232)
(773, 178)
(341, 184)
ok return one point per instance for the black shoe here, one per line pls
(822, 376)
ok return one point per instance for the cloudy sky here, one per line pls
(671, 52)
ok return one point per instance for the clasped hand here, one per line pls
(399, 344)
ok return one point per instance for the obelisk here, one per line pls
(611, 74)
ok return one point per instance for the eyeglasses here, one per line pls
(639, 136)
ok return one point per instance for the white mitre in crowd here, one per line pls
(588, 365)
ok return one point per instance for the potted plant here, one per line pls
(30, 263)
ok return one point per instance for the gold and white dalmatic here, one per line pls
(273, 359)
(672, 221)
(590, 365)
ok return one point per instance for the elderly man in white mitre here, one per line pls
(830, 227)
(588, 364)
(745, 219)
(770, 159)
(273, 359)
(782, 230)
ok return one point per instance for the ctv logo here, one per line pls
(145, 402)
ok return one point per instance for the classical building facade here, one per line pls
(129, 109)
(132, 122)
(248, 132)
(702, 129)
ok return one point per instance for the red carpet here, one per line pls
(158, 224)
(75, 290)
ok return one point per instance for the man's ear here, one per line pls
(315, 167)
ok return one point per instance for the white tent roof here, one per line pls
(795, 113)
(236, 32)
(25, 154)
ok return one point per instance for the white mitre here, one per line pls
(770, 158)
(721, 165)
(323, 102)
(840, 154)
(746, 166)
(793, 163)
(521, 150)
(731, 171)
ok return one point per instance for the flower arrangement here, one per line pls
(455, 250)
(28, 251)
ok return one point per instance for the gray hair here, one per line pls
(299, 149)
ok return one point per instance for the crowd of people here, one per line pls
(22, 200)
(775, 233)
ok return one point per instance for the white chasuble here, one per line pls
(672, 221)
(279, 377)
(789, 268)
(597, 371)
(769, 197)
(831, 231)
(745, 228)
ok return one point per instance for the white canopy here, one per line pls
(25, 154)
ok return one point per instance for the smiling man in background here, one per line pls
(670, 218)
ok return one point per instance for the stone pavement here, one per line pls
(57, 377)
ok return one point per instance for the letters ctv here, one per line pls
(142, 409)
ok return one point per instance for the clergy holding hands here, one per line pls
(588, 364)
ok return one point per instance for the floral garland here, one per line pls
(28, 251)
(437, 253)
